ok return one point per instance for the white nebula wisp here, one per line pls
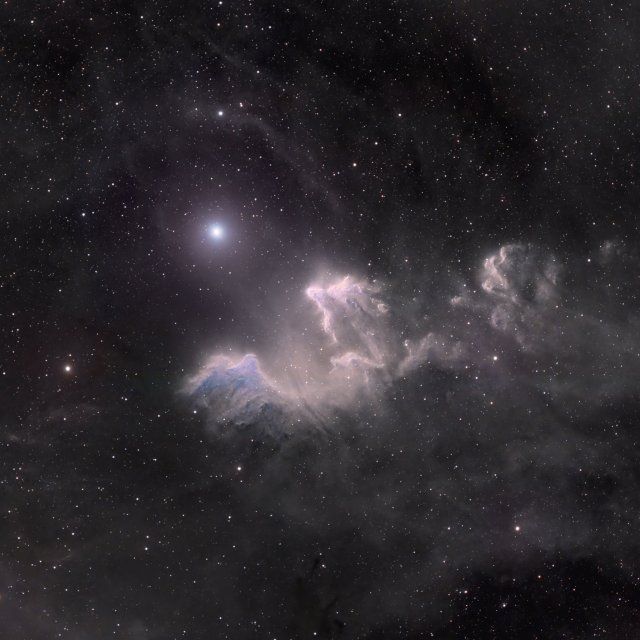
(366, 353)
(356, 321)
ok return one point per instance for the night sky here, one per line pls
(319, 319)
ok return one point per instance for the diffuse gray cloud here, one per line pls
(526, 318)
(548, 312)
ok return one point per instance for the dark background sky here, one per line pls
(402, 142)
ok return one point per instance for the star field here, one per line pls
(319, 320)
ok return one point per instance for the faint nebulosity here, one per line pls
(526, 309)
(320, 320)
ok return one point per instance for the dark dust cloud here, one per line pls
(320, 320)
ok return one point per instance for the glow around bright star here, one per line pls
(216, 231)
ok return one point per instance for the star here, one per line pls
(216, 231)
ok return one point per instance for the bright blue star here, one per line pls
(216, 231)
